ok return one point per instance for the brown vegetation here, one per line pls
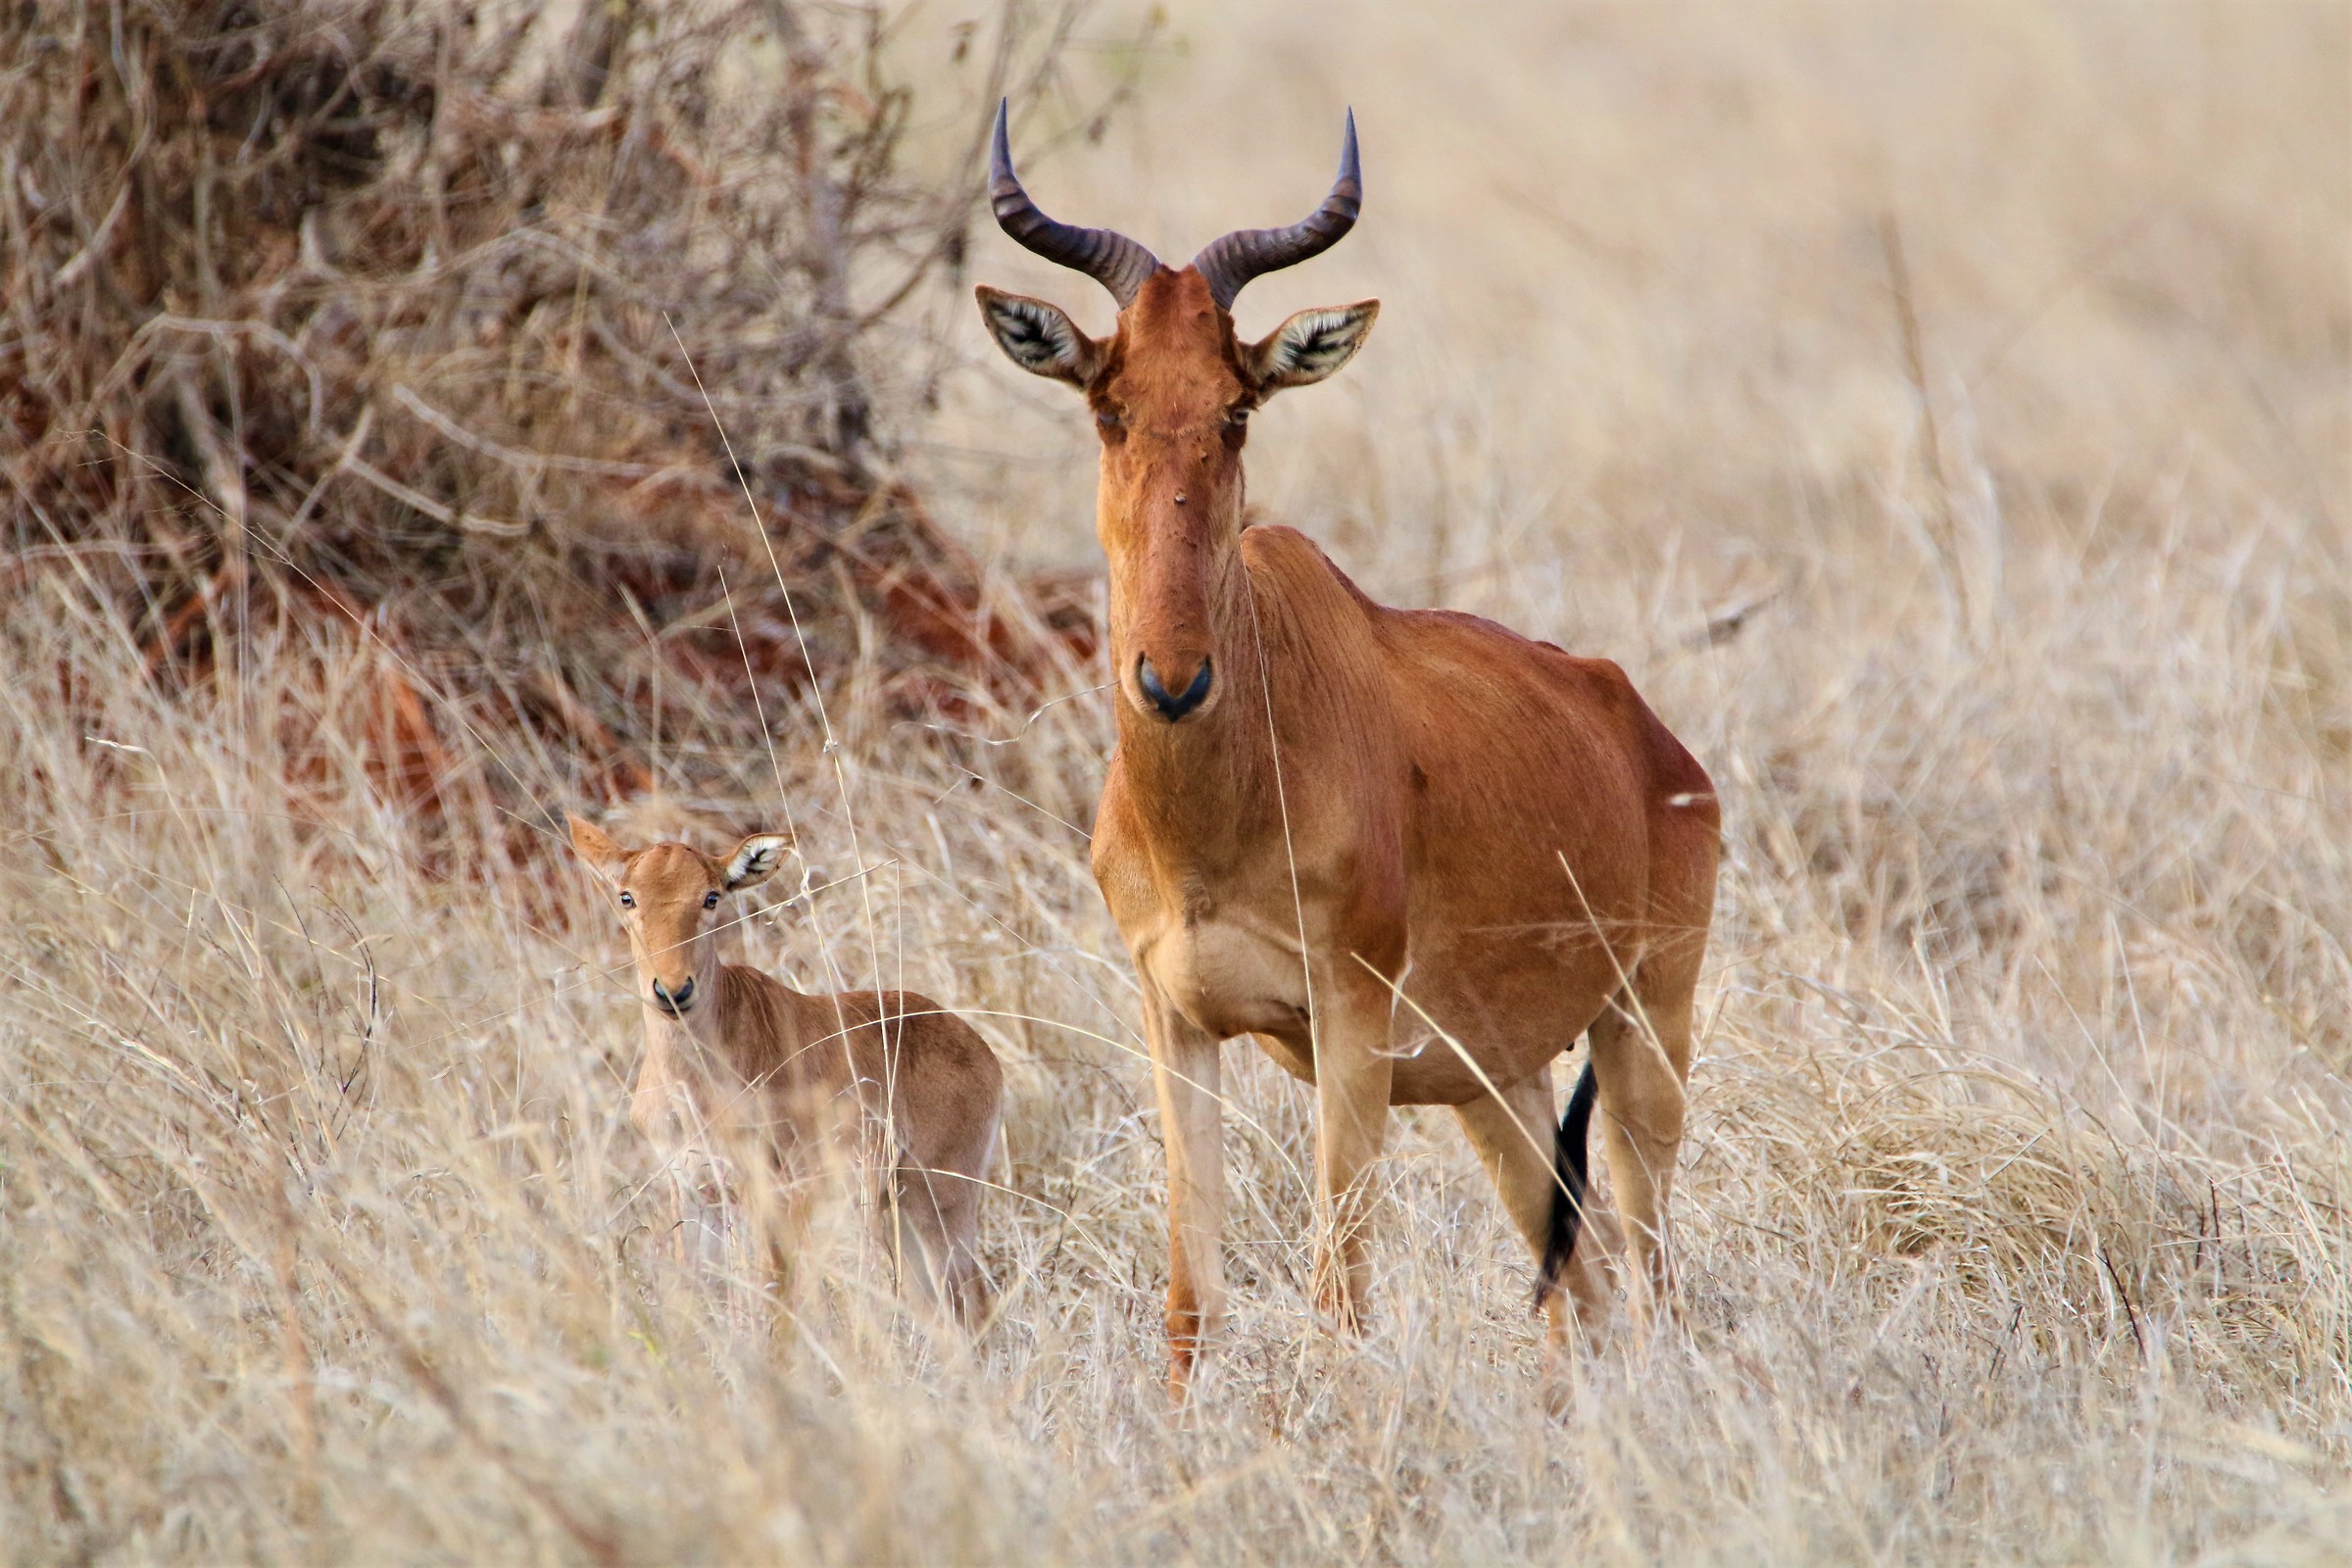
(539, 360)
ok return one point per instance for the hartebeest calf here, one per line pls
(1414, 854)
(735, 1058)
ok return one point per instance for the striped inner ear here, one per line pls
(1313, 344)
(1319, 344)
(1035, 337)
(757, 860)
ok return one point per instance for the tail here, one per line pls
(1568, 1193)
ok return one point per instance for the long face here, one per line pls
(670, 898)
(1172, 391)
(1172, 408)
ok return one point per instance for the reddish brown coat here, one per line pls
(1414, 854)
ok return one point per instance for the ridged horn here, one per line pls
(1230, 262)
(1104, 255)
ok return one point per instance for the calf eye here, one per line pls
(628, 901)
(710, 901)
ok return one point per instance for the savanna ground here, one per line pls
(2013, 1219)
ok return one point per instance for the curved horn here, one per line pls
(1229, 262)
(1110, 258)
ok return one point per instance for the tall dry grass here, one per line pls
(2013, 1218)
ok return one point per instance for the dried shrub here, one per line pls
(547, 356)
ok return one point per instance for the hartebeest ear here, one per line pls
(605, 858)
(1040, 339)
(756, 859)
(1310, 345)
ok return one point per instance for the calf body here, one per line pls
(735, 1060)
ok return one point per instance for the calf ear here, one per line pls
(1040, 339)
(593, 845)
(1310, 345)
(756, 859)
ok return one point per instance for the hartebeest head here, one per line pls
(1172, 390)
(669, 898)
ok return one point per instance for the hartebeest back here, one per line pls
(1412, 853)
(733, 1057)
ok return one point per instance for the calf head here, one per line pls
(668, 896)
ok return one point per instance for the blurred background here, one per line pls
(1637, 262)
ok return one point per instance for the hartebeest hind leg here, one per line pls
(1641, 1056)
(1185, 1070)
(1513, 1136)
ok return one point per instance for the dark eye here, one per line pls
(1237, 419)
(1109, 418)
(710, 901)
(628, 901)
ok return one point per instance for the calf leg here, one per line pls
(939, 1211)
(771, 1216)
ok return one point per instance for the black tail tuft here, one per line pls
(1568, 1193)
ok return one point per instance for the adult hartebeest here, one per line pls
(733, 1055)
(1412, 853)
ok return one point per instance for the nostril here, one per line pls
(1173, 706)
(685, 992)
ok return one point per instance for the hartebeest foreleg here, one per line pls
(1353, 1073)
(1185, 1068)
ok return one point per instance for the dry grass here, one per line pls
(2014, 1218)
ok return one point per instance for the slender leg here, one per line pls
(939, 1220)
(767, 1219)
(910, 1229)
(959, 1185)
(967, 1282)
(1513, 1138)
(1642, 1056)
(1185, 1067)
(1352, 1072)
(701, 1203)
(663, 1112)
(958, 1195)
(699, 1219)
